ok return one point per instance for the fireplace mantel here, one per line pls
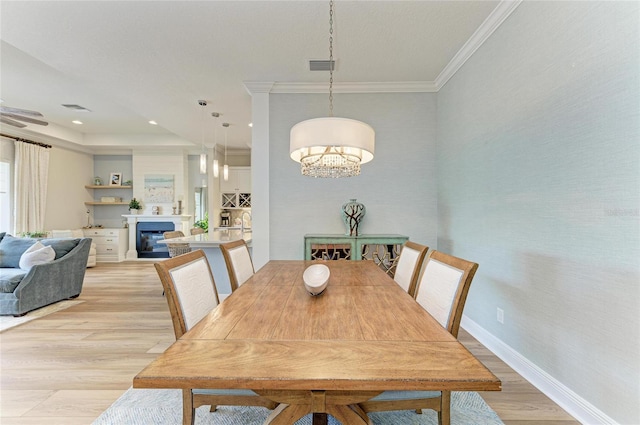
(180, 222)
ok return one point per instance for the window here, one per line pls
(5, 197)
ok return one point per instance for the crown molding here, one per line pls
(484, 31)
(258, 86)
(48, 139)
(357, 87)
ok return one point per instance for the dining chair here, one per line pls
(197, 230)
(176, 249)
(442, 291)
(409, 266)
(191, 295)
(238, 260)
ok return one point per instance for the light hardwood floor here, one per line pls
(68, 367)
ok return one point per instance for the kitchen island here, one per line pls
(210, 244)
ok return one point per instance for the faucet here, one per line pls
(242, 219)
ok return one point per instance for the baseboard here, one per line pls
(575, 405)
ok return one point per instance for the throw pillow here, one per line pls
(11, 249)
(36, 254)
(61, 246)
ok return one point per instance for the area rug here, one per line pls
(8, 322)
(164, 407)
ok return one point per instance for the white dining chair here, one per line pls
(442, 291)
(191, 294)
(409, 266)
(238, 260)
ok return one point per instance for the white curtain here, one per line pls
(31, 175)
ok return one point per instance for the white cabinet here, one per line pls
(111, 244)
(236, 192)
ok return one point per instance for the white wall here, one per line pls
(538, 182)
(69, 171)
(163, 162)
(397, 188)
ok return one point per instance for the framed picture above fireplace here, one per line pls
(158, 188)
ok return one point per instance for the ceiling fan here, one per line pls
(13, 116)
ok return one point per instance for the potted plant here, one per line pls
(134, 206)
(204, 223)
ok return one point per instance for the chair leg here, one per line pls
(188, 412)
(444, 415)
(213, 408)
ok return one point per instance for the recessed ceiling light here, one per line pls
(250, 124)
(77, 122)
(152, 122)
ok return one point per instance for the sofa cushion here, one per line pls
(61, 246)
(10, 279)
(36, 254)
(2, 235)
(11, 249)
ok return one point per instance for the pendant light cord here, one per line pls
(202, 128)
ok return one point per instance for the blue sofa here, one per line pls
(24, 290)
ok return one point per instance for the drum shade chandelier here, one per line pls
(331, 146)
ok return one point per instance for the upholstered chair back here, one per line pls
(409, 266)
(238, 260)
(443, 287)
(190, 289)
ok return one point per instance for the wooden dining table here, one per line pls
(318, 354)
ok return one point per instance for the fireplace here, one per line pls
(147, 235)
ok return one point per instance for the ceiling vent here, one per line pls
(76, 108)
(321, 65)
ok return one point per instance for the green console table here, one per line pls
(382, 249)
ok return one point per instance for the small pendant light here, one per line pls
(225, 169)
(216, 167)
(203, 155)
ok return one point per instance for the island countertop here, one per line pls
(210, 240)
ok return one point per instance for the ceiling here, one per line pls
(134, 61)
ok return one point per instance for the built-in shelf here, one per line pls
(90, 186)
(105, 203)
(93, 186)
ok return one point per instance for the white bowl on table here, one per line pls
(316, 278)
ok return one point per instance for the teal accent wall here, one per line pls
(538, 150)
